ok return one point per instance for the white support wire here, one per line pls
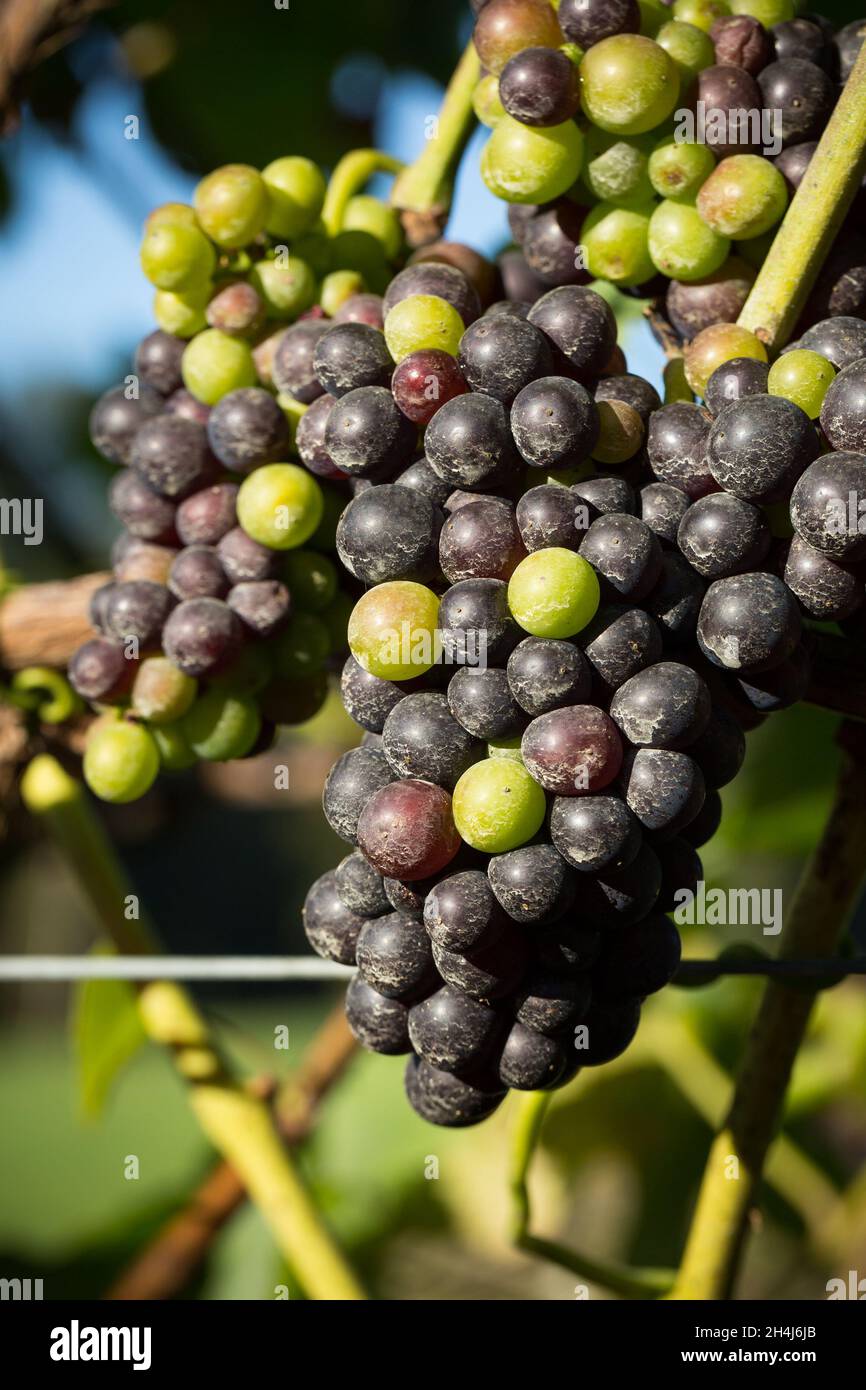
(66, 969)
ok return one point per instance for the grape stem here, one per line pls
(531, 1108)
(814, 217)
(349, 177)
(238, 1122)
(824, 901)
(423, 191)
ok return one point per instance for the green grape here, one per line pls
(392, 630)
(287, 289)
(177, 257)
(525, 165)
(296, 191)
(231, 204)
(315, 248)
(802, 377)
(744, 197)
(628, 84)
(553, 593)
(294, 412)
(615, 171)
(182, 315)
(614, 241)
(160, 692)
(681, 244)
(249, 673)
(677, 170)
(497, 806)
(358, 250)
(719, 343)
(506, 748)
(367, 214)
(573, 51)
(222, 725)
(766, 12)
(620, 433)
(701, 13)
(339, 286)
(311, 580)
(755, 251)
(423, 321)
(214, 363)
(690, 47)
(485, 101)
(302, 646)
(168, 214)
(175, 753)
(121, 761)
(280, 505)
(653, 15)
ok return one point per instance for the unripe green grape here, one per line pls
(311, 580)
(182, 315)
(628, 84)
(302, 646)
(168, 214)
(336, 619)
(615, 243)
(744, 197)
(221, 726)
(214, 363)
(486, 103)
(160, 692)
(803, 377)
(677, 170)
(288, 289)
(701, 13)
(296, 191)
(367, 214)
(755, 251)
(339, 286)
(506, 748)
(392, 630)
(315, 248)
(719, 343)
(358, 250)
(553, 593)
(231, 204)
(766, 12)
(175, 754)
(690, 47)
(280, 505)
(615, 171)
(121, 761)
(177, 257)
(497, 806)
(423, 321)
(653, 15)
(681, 244)
(524, 165)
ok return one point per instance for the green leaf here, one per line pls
(107, 1032)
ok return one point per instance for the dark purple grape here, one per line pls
(750, 622)
(741, 42)
(367, 698)
(828, 590)
(331, 929)
(185, 404)
(606, 1031)
(419, 476)
(550, 242)
(360, 888)
(731, 90)
(801, 38)
(137, 610)
(677, 442)
(348, 787)
(782, 687)
(580, 324)
(205, 517)
(394, 956)
(489, 971)
(157, 361)
(828, 504)
(843, 414)
(804, 95)
(840, 288)
(434, 277)
(682, 871)
(664, 706)
(719, 751)
(247, 428)
(529, 1061)
(407, 831)
(310, 439)
(594, 833)
(520, 282)
(197, 573)
(586, 22)
(475, 623)
(117, 417)
(705, 824)
(422, 738)
(568, 948)
(389, 533)
(848, 43)
(742, 376)
(451, 1031)
(841, 340)
(662, 507)
(554, 422)
(533, 884)
(600, 497)
(545, 674)
(144, 512)
(100, 671)
(625, 555)
(202, 636)
(361, 308)
(367, 436)
(237, 309)
(759, 446)
(539, 86)
(546, 517)
(263, 605)
(663, 788)
(379, 1024)
(550, 1001)
(481, 541)
(500, 355)
(468, 443)
(480, 699)
(793, 162)
(518, 308)
(573, 750)
(717, 298)
(722, 535)
(351, 355)
(243, 559)
(172, 455)
(443, 1099)
(292, 368)
(637, 961)
(676, 600)
(615, 898)
(619, 642)
(461, 913)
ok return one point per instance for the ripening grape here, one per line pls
(744, 197)
(160, 692)
(715, 345)
(422, 322)
(803, 377)
(505, 27)
(392, 630)
(407, 831)
(677, 170)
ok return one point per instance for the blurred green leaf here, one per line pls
(107, 1031)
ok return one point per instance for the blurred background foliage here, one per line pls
(223, 862)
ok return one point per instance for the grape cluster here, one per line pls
(225, 611)
(586, 104)
(574, 610)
